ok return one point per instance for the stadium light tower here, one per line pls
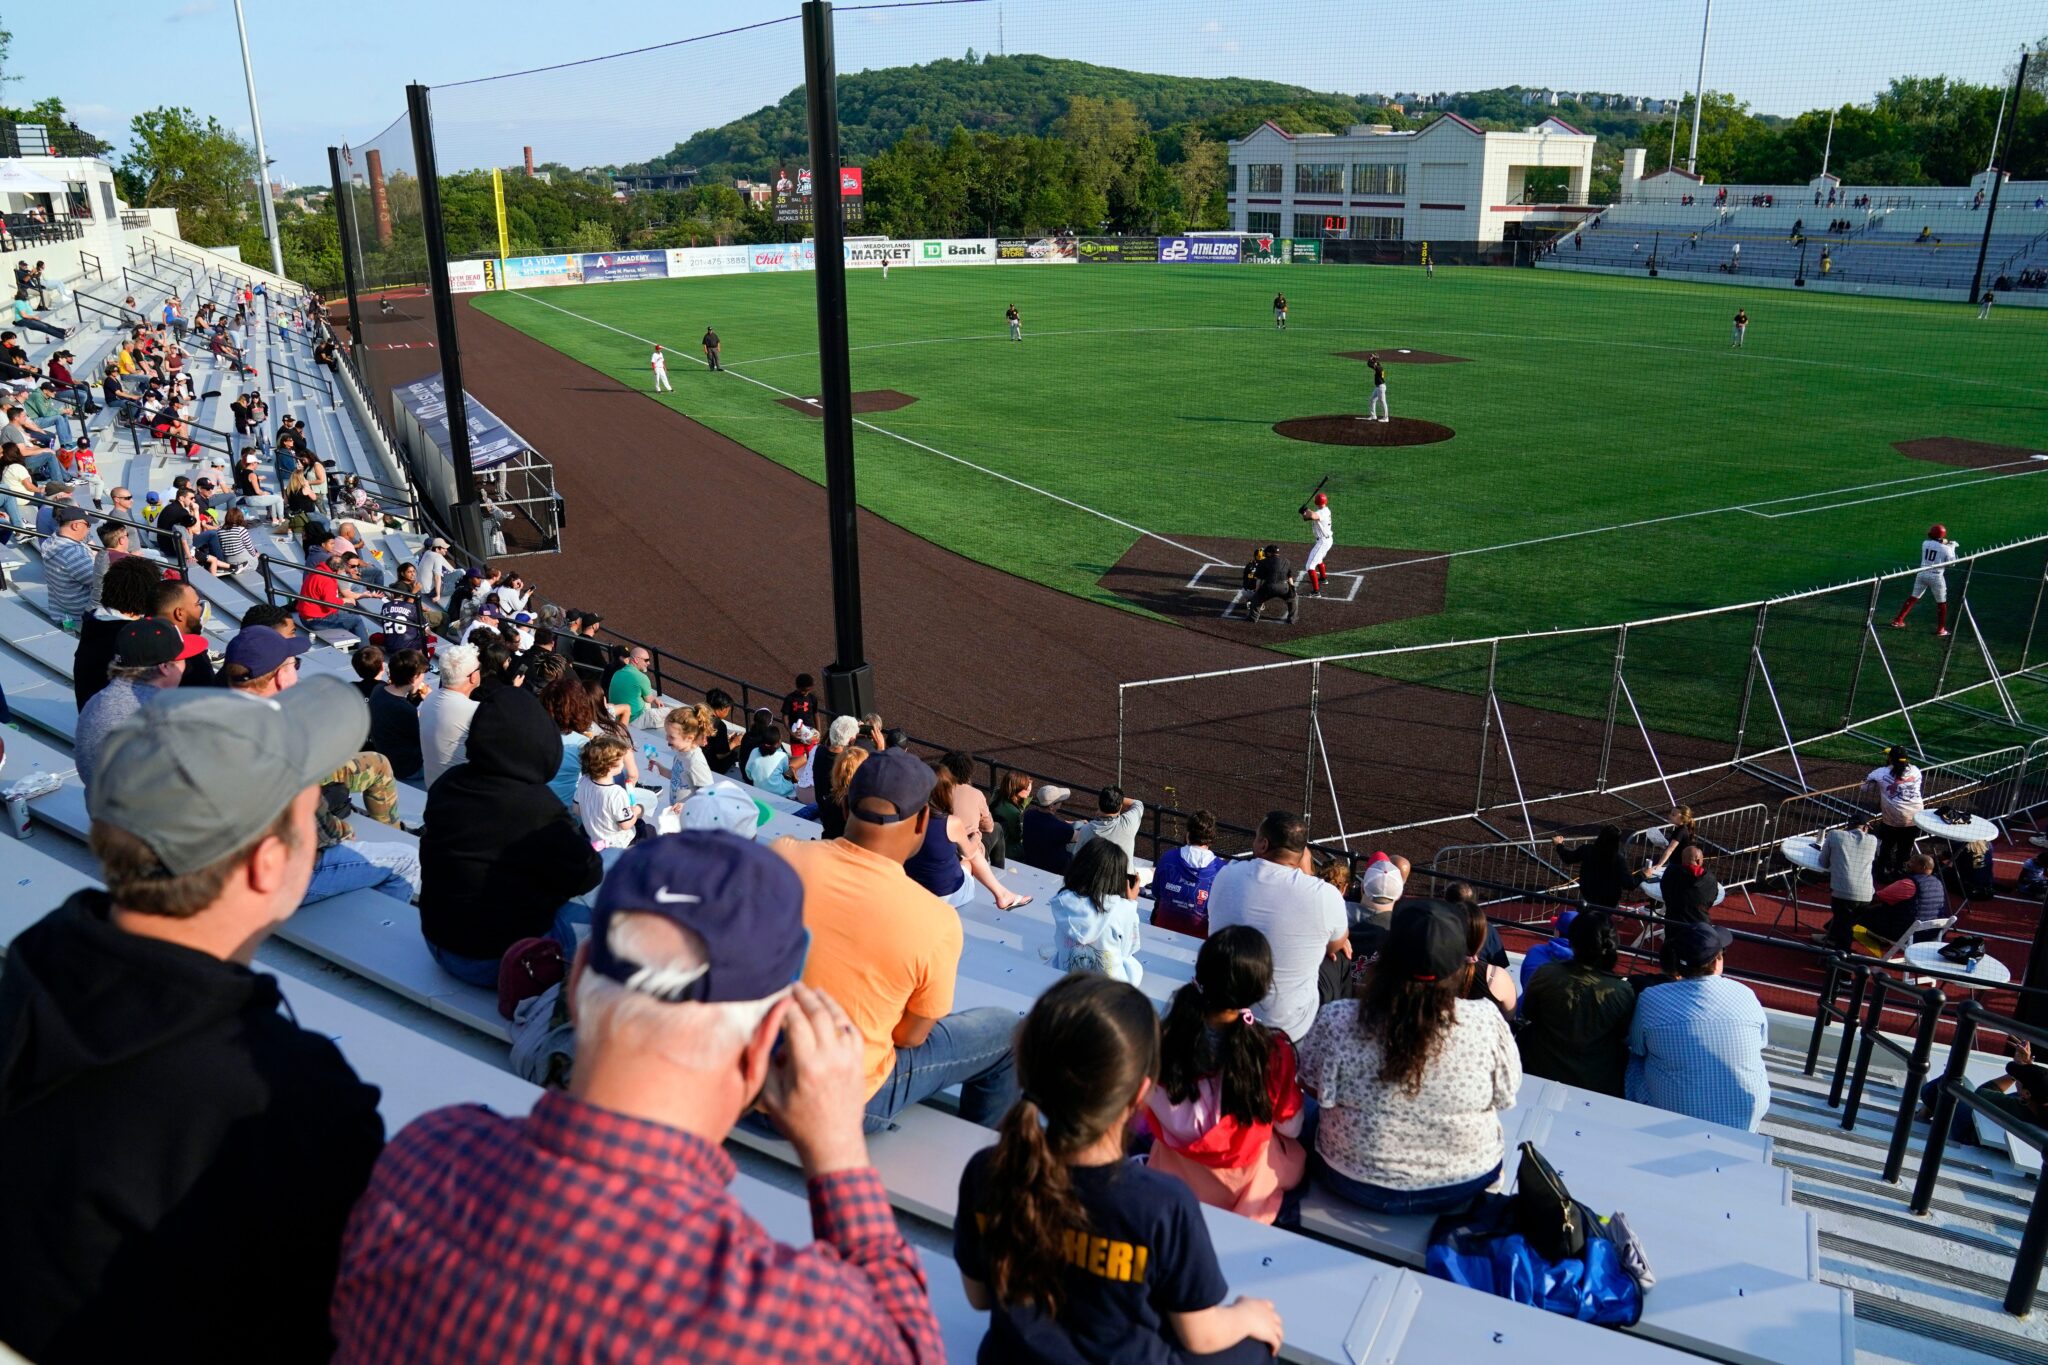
(1699, 94)
(262, 162)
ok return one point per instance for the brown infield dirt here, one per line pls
(1966, 454)
(686, 539)
(867, 400)
(1354, 429)
(1162, 577)
(1394, 355)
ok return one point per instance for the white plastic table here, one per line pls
(1975, 830)
(1803, 851)
(1982, 975)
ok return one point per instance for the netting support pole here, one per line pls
(1862, 649)
(2012, 713)
(466, 513)
(1308, 757)
(1905, 711)
(1785, 729)
(1119, 733)
(1756, 644)
(2019, 85)
(849, 681)
(1613, 704)
(1485, 728)
(1962, 597)
(2027, 645)
(344, 223)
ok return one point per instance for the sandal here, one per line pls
(1021, 900)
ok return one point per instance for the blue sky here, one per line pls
(329, 73)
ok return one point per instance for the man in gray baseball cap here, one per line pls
(148, 1061)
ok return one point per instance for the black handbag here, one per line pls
(1546, 1215)
(1963, 949)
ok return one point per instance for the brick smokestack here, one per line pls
(380, 203)
(529, 163)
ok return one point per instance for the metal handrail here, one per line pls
(98, 271)
(1928, 1003)
(1955, 1089)
(267, 564)
(275, 365)
(183, 560)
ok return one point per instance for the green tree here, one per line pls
(199, 168)
(590, 235)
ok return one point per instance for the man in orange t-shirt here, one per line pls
(889, 952)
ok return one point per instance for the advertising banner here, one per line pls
(471, 277)
(775, 256)
(1035, 251)
(625, 265)
(869, 255)
(1115, 250)
(539, 272)
(1200, 250)
(1305, 252)
(491, 442)
(1266, 250)
(709, 260)
(957, 251)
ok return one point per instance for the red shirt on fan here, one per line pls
(1230, 1164)
(323, 589)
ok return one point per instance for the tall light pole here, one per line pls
(1699, 93)
(262, 161)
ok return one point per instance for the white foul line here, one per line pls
(898, 436)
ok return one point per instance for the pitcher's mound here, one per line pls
(1967, 454)
(1348, 429)
(1393, 355)
(867, 400)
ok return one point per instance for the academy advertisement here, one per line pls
(625, 265)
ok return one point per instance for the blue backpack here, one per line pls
(1483, 1249)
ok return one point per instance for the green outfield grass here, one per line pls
(1148, 394)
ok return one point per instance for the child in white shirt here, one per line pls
(609, 815)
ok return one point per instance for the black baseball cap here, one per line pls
(894, 776)
(1694, 946)
(152, 641)
(1425, 941)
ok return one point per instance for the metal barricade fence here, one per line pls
(1508, 871)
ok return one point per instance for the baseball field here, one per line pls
(1602, 453)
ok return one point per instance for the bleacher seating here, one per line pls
(1748, 1232)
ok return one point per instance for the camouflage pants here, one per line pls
(369, 776)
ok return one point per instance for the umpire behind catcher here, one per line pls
(1266, 578)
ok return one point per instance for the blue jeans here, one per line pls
(206, 543)
(264, 504)
(970, 1049)
(43, 464)
(1380, 1199)
(483, 971)
(390, 869)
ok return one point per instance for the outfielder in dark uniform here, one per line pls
(1266, 578)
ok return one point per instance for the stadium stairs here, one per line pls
(1779, 1247)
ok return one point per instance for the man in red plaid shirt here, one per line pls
(599, 1228)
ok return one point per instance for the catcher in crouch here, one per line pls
(1266, 578)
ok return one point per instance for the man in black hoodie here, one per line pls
(177, 1157)
(502, 856)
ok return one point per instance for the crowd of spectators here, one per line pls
(1360, 1040)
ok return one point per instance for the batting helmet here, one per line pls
(1937, 532)
(1322, 499)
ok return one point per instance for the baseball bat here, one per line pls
(1313, 491)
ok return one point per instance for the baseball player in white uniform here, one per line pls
(1319, 517)
(1937, 552)
(660, 362)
